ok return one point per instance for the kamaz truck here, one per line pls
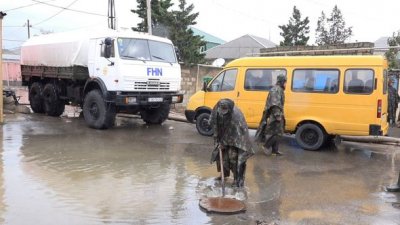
(103, 72)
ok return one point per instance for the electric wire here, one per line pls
(24, 6)
(74, 10)
(56, 13)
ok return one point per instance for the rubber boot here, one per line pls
(275, 148)
(241, 175)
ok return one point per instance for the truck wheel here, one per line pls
(310, 136)
(53, 105)
(35, 97)
(155, 115)
(202, 124)
(97, 113)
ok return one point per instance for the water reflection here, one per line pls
(89, 176)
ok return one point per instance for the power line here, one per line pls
(24, 6)
(13, 40)
(56, 13)
(74, 10)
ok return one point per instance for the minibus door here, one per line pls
(223, 86)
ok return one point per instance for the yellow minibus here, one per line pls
(325, 95)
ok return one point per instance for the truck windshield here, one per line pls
(146, 50)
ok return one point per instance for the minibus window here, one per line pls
(261, 79)
(315, 81)
(359, 81)
(225, 81)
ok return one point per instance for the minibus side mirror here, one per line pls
(204, 86)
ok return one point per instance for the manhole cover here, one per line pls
(222, 205)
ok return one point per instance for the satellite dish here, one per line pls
(218, 62)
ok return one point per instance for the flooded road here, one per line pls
(58, 171)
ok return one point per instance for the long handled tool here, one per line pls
(221, 161)
(222, 204)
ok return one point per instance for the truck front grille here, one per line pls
(151, 85)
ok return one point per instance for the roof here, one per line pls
(207, 37)
(307, 61)
(381, 42)
(239, 47)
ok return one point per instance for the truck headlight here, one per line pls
(130, 100)
(176, 99)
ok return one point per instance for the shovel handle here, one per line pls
(221, 161)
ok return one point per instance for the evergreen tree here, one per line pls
(159, 14)
(182, 36)
(332, 30)
(392, 54)
(296, 31)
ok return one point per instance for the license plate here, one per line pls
(155, 99)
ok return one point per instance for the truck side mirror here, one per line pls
(108, 47)
(204, 86)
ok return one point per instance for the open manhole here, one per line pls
(222, 205)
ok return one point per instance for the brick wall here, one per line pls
(192, 81)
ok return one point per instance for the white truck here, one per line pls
(105, 73)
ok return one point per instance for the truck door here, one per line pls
(223, 86)
(104, 68)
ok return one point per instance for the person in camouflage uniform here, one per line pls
(232, 136)
(393, 101)
(272, 123)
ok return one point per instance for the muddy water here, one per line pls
(58, 171)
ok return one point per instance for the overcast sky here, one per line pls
(226, 19)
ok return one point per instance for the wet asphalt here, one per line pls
(59, 171)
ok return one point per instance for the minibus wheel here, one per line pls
(310, 136)
(202, 124)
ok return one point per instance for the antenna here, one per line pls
(111, 14)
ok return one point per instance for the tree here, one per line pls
(160, 16)
(332, 30)
(296, 31)
(182, 36)
(392, 54)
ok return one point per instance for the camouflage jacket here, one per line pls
(393, 98)
(231, 130)
(273, 119)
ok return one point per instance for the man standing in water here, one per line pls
(272, 122)
(232, 136)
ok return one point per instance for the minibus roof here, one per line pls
(310, 61)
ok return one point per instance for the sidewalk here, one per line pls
(177, 116)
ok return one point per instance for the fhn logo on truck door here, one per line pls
(104, 72)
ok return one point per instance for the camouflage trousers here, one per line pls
(392, 115)
(234, 160)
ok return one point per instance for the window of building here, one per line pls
(225, 81)
(261, 79)
(359, 81)
(315, 81)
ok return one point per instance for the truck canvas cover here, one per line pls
(58, 50)
(68, 49)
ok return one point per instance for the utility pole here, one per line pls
(111, 15)
(29, 29)
(1, 65)
(148, 4)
